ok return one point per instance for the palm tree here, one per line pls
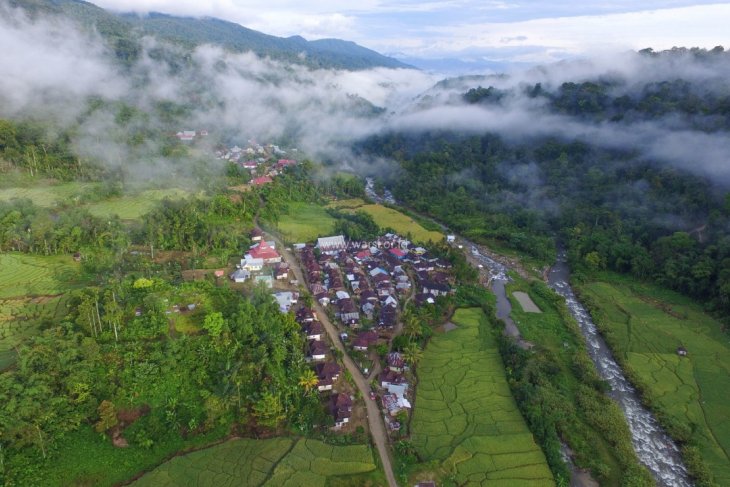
(412, 354)
(308, 380)
(411, 326)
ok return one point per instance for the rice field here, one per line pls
(305, 222)
(465, 417)
(31, 289)
(46, 194)
(401, 223)
(272, 462)
(133, 206)
(645, 326)
(33, 275)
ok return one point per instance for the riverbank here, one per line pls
(646, 326)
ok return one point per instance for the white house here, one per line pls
(252, 264)
(285, 300)
(240, 275)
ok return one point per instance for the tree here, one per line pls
(214, 323)
(269, 411)
(107, 416)
(411, 325)
(308, 380)
(413, 354)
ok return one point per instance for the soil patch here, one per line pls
(528, 305)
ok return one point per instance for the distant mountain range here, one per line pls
(122, 31)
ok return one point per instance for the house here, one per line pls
(186, 135)
(450, 238)
(389, 301)
(365, 340)
(77, 256)
(240, 275)
(317, 350)
(423, 299)
(435, 288)
(282, 163)
(219, 273)
(313, 330)
(266, 252)
(281, 271)
(305, 315)
(252, 264)
(369, 296)
(257, 235)
(322, 298)
(285, 300)
(390, 377)
(332, 245)
(250, 165)
(267, 280)
(395, 361)
(390, 402)
(388, 317)
(261, 181)
(348, 311)
(341, 409)
(368, 309)
(681, 351)
(399, 253)
(327, 373)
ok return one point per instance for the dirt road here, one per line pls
(375, 421)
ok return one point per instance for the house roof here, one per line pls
(263, 251)
(262, 180)
(317, 347)
(398, 252)
(331, 243)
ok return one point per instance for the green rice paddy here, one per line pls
(645, 326)
(272, 462)
(305, 222)
(465, 417)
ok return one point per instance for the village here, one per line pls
(363, 288)
(264, 162)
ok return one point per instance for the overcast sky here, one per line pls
(518, 31)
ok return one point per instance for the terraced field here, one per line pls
(465, 417)
(31, 289)
(273, 462)
(645, 326)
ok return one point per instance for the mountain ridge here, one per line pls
(123, 29)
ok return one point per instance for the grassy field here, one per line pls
(465, 417)
(133, 206)
(129, 207)
(47, 193)
(305, 222)
(273, 462)
(645, 326)
(31, 289)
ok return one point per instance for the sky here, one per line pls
(512, 31)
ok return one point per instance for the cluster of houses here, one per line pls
(395, 387)
(369, 282)
(326, 368)
(258, 160)
(262, 263)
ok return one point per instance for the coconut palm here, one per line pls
(412, 354)
(308, 380)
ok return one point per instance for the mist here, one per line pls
(50, 70)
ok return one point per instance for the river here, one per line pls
(653, 446)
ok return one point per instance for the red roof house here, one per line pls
(261, 181)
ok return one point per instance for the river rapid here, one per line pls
(653, 446)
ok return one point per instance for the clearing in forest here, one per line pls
(304, 222)
(465, 417)
(646, 326)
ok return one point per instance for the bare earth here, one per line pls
(526, 302)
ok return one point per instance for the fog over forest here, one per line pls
(51, 70)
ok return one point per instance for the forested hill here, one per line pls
(629, 171)
(124, 30)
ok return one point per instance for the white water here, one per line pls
(653, 446)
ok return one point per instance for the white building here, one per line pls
(332, 245)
